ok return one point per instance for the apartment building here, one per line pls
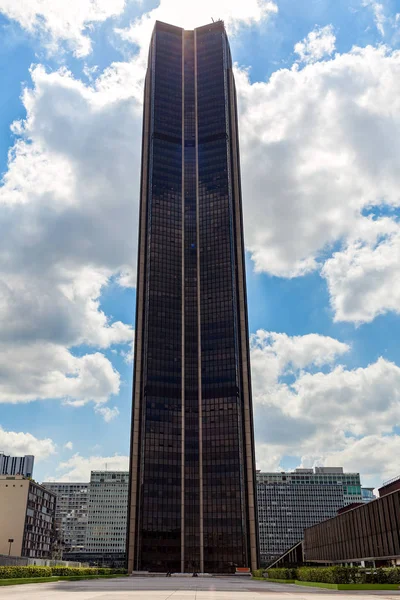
(27, 513)
(71, 517)
(16, 465)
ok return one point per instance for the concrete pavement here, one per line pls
(178, 588)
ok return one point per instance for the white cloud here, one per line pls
(19, 444)
(364, 278)
(108, 414)
(234, 13)
(320, 145)
(318, 44)
(78, 468)
(363, 401)
(69, 224)
(267, 461)
(128, 355)
(305, 405)
(379, 14)
(62, 20)
(68, 446)
(297, 352)
(45, 370)
(376, 457)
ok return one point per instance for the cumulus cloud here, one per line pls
(364, 278)
(281, 351)
(60, 21)
(364, 400)
(308, 406)
(68, 224)
(373, 455)
(68, 446)
(318, 147)
(19, 444)
(234, 13)
(78, 468)
(318, 44)
(44, 370)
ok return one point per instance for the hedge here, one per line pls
(21, 572)
(283, 573)
(328, 574)
(258, 573)
(343, 575)
(34, 571)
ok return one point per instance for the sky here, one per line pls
(319, 116)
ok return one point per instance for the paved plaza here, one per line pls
(177, 588)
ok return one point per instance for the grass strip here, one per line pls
(24, 580)
(335, 586)
(350, 586)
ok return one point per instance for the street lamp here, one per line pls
(10, 541)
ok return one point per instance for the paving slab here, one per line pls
(180, 588)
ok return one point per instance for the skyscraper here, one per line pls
(192, 490)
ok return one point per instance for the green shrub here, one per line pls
(328, 574)
(348, 575)
(120, 571)
(258, 573)
(282, 573)
(21, 572)
(393, 575)
(390, 575)
(35, 571)
(75, 571)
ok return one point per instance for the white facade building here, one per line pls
(71, 517)
(290, 502)
(107, 514)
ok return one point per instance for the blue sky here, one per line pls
(318, 91)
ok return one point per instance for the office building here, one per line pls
(16, 465)
(26, 517)
(367, 494)
(192, 492)
(71, 516)
(107, 513)
(367, 535)
(290, 502)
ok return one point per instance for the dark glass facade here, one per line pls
(192, 494)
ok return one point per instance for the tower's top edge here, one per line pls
(214, 26)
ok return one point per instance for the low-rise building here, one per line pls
(16, 465)
(71, 516)
(366, 535)
(389, 486)
(26, 517)
(290, 502)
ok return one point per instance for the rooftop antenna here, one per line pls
(212, 20)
